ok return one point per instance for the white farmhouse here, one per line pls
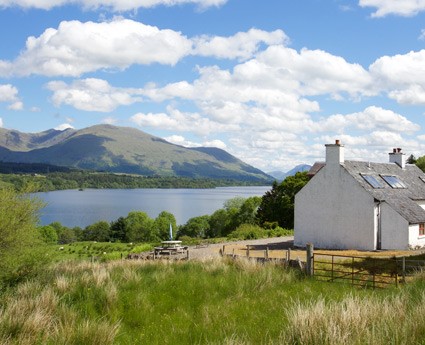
(361, 205)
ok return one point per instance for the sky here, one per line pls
(271, 81)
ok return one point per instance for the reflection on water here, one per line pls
(82, 208)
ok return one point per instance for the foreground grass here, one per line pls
(214, 302)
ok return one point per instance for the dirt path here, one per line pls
(213, 250)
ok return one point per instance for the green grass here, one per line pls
(212, 302)
(96, 251)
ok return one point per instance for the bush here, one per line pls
(247, 232)
(280, 232)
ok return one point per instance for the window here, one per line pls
(421, 229)
(422, 178)
(373, 181)
(393, 181)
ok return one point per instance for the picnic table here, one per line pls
(170, 248)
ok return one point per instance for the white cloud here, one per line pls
(16, 106)
(63, 126)
(396, 7)
(240, 46)
(115, 5)
(8, 93)
(1, 122)
(90, 95)
(76, 48)
(175, 120)
(372, 118)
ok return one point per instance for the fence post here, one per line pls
(247, 250)
(403, 268)
(233, 253)
(224, 248)
(267, 253)
(309, 262)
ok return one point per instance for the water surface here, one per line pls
(81, 208)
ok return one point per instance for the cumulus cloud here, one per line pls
(240, 46)
(1, 122)
(395, 7)
(179, 121)
(76, 48)
(8, 93)
(109, 120)
(90, 95)
(114, 5)
(372, 118)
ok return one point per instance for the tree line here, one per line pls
(98, 180)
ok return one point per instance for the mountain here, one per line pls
(280, 175)
(122, 150)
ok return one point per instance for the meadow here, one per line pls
(217, 301)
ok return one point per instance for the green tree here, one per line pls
(162, 225)
(248, 211)
(411, 159)
(48, 234)
(218, 224)
(195, 227)
(140, 227)
(277, 205)
(21, 248)
(99, 231)
(119, 230)
(420, 162)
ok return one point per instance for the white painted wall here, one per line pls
(334, 211)
(414, 239)
(394, 229)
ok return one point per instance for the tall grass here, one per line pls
(211, 302)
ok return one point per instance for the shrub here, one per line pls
(247, 232)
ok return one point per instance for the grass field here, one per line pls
(211, 302)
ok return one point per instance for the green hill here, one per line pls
(122, 150)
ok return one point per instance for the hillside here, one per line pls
(122, 150)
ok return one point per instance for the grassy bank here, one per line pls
(214, 302)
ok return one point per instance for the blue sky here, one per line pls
(269, 81)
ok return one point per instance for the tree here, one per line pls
(119, 230)
(162, 224)
(248, 211)
(140, 227)
(21, 249)
(277, 205)
(195, 227)
(98, 231)
(218, 224)
(420, 162)
(48, 234)
(411, 159)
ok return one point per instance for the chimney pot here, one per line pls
(337, 142)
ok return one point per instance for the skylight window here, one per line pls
(393, 181)
(422, 178)
(373, 181)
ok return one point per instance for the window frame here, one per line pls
(421, 229)
(393, 181)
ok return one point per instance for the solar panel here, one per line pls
(393, 181)
(373, 181)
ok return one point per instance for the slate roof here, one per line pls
(402, 200)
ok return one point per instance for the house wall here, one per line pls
(414, 239)
(334, 211)
(394, 234)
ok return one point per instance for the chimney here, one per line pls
(398, 157)
(334, 154)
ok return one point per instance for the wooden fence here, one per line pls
(373, 272)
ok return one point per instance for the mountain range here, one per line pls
(280, 175)
(123, 150)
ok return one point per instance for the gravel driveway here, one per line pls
(212, 250)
